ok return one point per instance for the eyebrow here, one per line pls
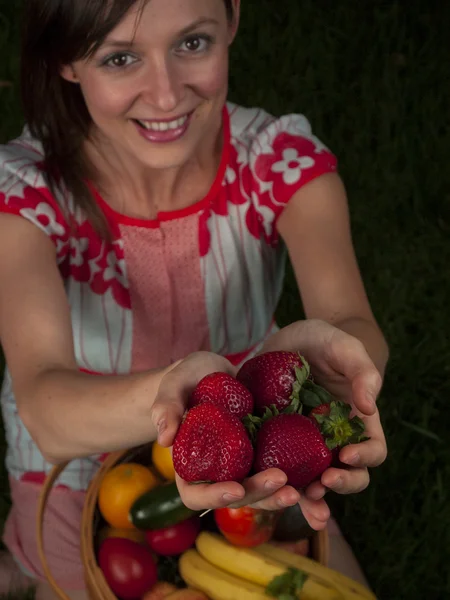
(129, 44)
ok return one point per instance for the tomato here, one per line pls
(175, 539)
(162, 461)
(246, 526)
(119, 489)
(128, 567)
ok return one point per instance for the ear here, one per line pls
(68, 73)
(234, 25)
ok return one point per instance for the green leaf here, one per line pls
(338, 429)
(324, 396)
(301, 375)
(252, 424)
(288, 585)
(309, 398)
(295, 407)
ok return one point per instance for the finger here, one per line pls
(205, 496)
(366, 386)
(316, 512)
(286, 496)
(315, 491)
(264, 484)
(342, 481)
(167, 415)
(348, 356)
(371, 453)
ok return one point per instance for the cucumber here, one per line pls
(158, 508)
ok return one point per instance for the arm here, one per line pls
(68, 413)
(340, 336)
(315, 226)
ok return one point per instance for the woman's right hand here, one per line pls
(266, 490)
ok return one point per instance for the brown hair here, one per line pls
(57, 33)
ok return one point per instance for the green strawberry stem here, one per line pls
(313, 395)
(252, 424)
(288, 585)
(305, 391)
(337, 427)
(301, 375)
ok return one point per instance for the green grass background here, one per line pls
(374, 78)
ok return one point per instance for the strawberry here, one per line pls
(212, 445)
(274, 378)
(322, 409)
(334, 422)
(336, 426)
(223, 390)
(292, 443)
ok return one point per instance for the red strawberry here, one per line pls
(212, 445)
(292, 443)
(274, 378)
(322, 409)
(223, 390)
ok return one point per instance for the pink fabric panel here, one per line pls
(167, 292)
(150, 297)
(190, 329)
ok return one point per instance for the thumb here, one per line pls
(366, 386)
(167, 414)
(349, 357)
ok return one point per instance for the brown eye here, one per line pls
(193, 44)
(119, 61)
(196, 44)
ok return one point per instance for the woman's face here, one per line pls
(156, 87)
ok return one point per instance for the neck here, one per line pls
(141, 191)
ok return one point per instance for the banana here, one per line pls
(351, 590)
(215, 583)
(249, 565)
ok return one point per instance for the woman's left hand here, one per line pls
(339, 363)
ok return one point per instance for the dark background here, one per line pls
(373, 77)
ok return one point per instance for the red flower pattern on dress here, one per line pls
(109, 273)
(294, 161)
(85, 247)
(36, 207)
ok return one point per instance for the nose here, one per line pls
(163, 87)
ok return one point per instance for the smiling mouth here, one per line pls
(163, 125)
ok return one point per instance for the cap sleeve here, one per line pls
(285, 156)
(23, 192)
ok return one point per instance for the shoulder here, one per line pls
(258, 133)
(274, 157)
(22, 159)
(23, 186)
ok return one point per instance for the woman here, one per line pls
(143, 228)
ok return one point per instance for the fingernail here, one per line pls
(272, 485)
(353, 460)
(338, 483)
(371, 398)
(161, 426)
(281, 504)
(231, 498)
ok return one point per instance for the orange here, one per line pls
(120, 487)
(162, 461)
(134, 535)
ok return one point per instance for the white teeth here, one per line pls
(164, 125)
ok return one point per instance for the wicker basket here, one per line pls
(96, 584)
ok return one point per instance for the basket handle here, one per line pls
(43, 498)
